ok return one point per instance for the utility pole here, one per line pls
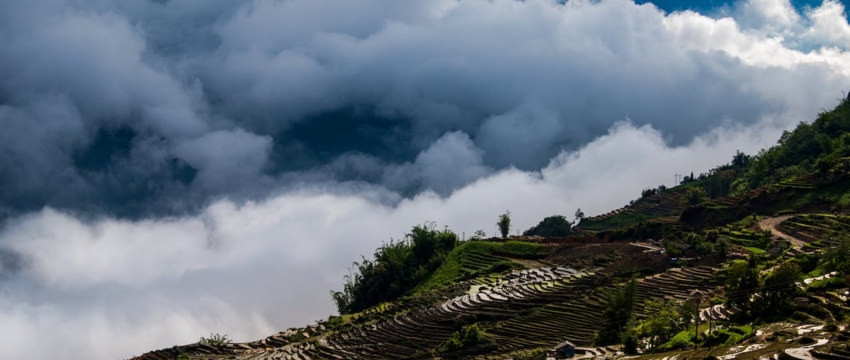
(676, 182)
(696, 324)
(696, 299)
(710, 309)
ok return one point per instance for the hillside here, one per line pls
(748, 260)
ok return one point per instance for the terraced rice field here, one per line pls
(524, 309)
(477, 262)
(745, 238)
(814, 227)
(802, 182)
(664, 205)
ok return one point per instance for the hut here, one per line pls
(564, 350)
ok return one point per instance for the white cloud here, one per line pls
(227, 159)
(829, 25)
(480, 86)
(254, 268)
(450, 163)
(543, 75)
(770, 14)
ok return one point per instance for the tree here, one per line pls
(618, 315)
(397, 267)
(779, 289)
(740, 160)
(648, 192)
(673, 248)
(504, 224)
(721, 248)
(741, 284)
(838, 258)
(552, 226)
(478, 235)
(664, 320)
(702, 247)
(693, 196)
(579, 215)
(467, 336)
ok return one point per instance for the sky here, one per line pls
(176, 168)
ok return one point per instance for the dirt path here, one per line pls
(771, 223)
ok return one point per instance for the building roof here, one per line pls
(564, 344)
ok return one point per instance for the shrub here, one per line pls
(552, 226)
(397, 268)
(693, 196)
(215, 340)
(682, 340)
(467, 336)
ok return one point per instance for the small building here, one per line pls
(774, 252)
(564, 350)
(698, 295)
(802, 302)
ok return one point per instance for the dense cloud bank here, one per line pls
(175, 168)
(158, 107)
(106, 288)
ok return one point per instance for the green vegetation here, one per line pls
(838, 259)
(649, 192)
(720, 336)
(478, 235)
(398, 267)
(664, 320)
(504, 224)
(477, 258)
(620, 220)
(552, 226)
(809, 264)
(465, 337)
(214, 340)
(775, 292)
(742, 282)
(179, 354)
(827, 284)
(693, 196)
(619, 315)
(682, 340)
(778, 291)
(754, 250)
(818, 147)
(738, 234)
(579, 215)
(726, 336)
(708, 217)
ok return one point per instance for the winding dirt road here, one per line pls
(771, 223)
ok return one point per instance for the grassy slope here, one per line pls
(617, 221)
(643, 206)
(476, 258)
